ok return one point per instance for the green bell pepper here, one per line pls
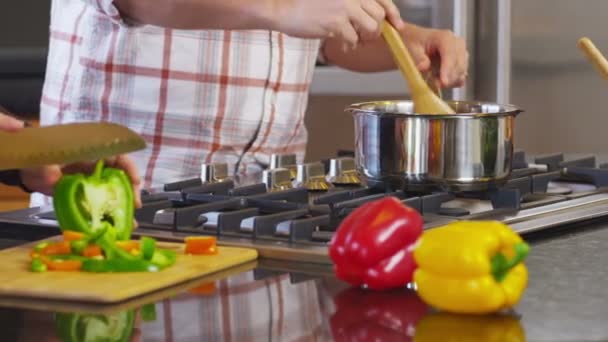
(87, 204)
(71, 327)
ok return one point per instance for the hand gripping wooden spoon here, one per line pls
(425, 100)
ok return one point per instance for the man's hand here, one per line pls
(43, 179)
(351, 21)
(424, 44)
(10, 124)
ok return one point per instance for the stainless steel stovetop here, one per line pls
(290, 211)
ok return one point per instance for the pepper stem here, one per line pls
(98, 170)
(501, 265)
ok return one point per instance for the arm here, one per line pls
(423, 43)
(298, 18)
(201, 14)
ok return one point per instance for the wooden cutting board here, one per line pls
(17, 281)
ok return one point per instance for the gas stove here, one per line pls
(290, 211)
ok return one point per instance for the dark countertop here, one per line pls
(566, 300)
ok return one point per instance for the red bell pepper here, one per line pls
(376, 316)
(373, 245)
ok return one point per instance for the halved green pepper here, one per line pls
(87, 203)
(73, 327)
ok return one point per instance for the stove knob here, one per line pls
(312, 177)
(342, 171)
(214, 173)
(284, 161)
(277, 179)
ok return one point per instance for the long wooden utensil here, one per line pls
(425, 100)
(594, 56)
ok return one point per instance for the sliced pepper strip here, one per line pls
(128, 245)
(70, 235)
(91, 251)
(62, 247)
(148, 247)
(118, 265)
(61, 264)
(471, 267)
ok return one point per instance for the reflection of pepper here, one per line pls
(372, 246)
(73, 327)
(376, 316)
(471, 267)
(148, 312)
(205, 289)
(453, 327)
(85, 203)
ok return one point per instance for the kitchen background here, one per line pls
(522, 51)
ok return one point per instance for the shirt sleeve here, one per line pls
(107, 8)
(12, 178)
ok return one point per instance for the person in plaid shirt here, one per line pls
(207, 81)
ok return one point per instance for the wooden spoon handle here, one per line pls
(403, 58)
(594, 55)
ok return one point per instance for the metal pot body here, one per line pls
(468, 151)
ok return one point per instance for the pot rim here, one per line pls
(504, 110)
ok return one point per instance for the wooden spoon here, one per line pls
(594, 55)
(425, 100)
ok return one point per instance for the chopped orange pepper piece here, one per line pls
(62, 265)
(128, 245)
(70, 235)
(204, 289)
(201, 245)
(91, 251)
(57, 248)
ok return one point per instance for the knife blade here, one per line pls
(65, 144)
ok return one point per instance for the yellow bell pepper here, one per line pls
(454, 327)
(471, 267)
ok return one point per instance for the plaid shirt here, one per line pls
(195, 96)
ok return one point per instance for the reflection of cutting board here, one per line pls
(17, 281)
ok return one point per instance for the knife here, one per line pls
(65, 144)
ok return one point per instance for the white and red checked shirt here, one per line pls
(195, 96)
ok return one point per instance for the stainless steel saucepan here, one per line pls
(468, 151)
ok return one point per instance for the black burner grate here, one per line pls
(297, 215)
